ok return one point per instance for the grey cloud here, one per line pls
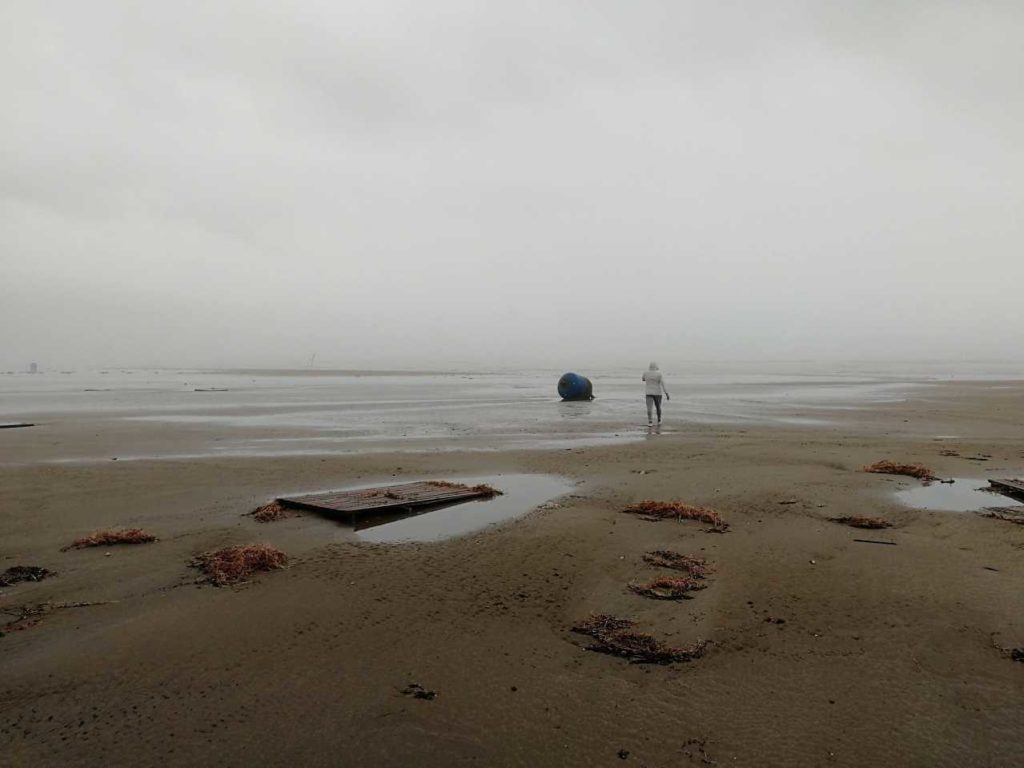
(394, 183)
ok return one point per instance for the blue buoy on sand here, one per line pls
(572, 386)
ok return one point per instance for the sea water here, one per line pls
(319, 411)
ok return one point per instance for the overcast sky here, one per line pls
(403, 183)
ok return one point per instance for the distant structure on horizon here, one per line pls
(33, 368)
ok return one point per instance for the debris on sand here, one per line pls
(874, 541)
(640, 648)
(862, 522)
(268, 513)
(1007, 514)
(698, 748)
(614, 636)
(668, 588)
(417, 691)
(113, 536)
(482, 489)
(28, 616)
(233, 565)
(665, 558)
(677, 510)
(18, 573)
(920, 471)
(1014, 488)
(600, 623)
(1013, 654)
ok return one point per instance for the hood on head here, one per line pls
(653, 366)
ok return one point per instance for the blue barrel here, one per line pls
(572, 386)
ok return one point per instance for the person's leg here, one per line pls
(650, 403)
(657, 404)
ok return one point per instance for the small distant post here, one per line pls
(33, 368)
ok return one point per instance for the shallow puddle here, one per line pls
(965, 494)
(520, 494)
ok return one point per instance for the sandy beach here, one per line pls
(822, 650)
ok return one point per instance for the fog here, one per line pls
(406, 184)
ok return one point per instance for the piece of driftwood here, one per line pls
(16, 425)
(860, 521)
(876, 541)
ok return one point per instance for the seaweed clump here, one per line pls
(18, 573)
(112, 536)
(268, 513)
(616, 637)
(919, 471)
(234, 565)
(863, 522)
(481, 490)
(668, 588)
(677, 510)
(695, 567)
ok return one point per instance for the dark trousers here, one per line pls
(654, 400)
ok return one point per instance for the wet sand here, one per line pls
(887, 654)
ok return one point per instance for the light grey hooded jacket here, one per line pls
(654, 380)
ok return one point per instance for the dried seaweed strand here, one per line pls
(677, 510)
(615, 637)
(110, 537)
(920, 471)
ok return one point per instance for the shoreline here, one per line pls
(886, 655)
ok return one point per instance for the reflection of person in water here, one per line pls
(655, 385)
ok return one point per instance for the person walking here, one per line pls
(654, 386)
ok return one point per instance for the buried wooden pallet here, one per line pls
(1008, 487)
(388, 498)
